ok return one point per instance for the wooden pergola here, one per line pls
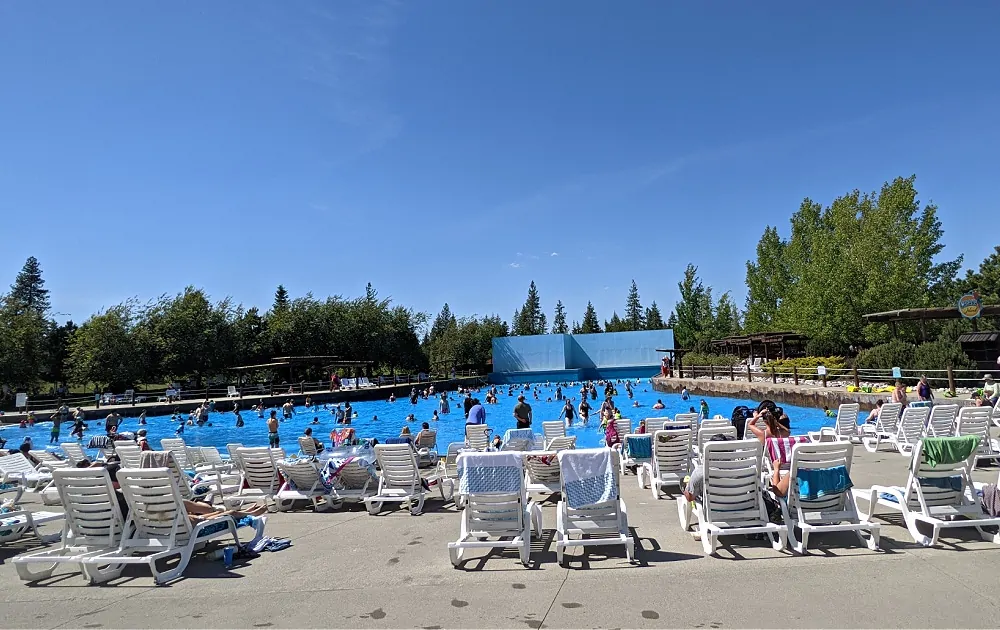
(921, 315)
(767, 345)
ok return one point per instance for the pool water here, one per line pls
(392, 417)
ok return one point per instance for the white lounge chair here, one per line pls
(400, 479)
(477, 436)
(976, 421)
(671, 459)
(590, 504)
(179, 449)
(942, 421)
(353, 481)
(656, 424)
(495, 505)
(426, 447)
(259, 477)
(158, 525)
(705, 434)
(637, 451)
(562, 443)
(541, 473)
(911, 428)
(820, 510)
(844, 429)
(307, 446)
(733, 497)
(690, 419)
(303, 482)
(884, 429)
(995, 414)
(47, 462)
(93, 524)
(129, 455)
(74, 452)
(232, 392)
(938, 496)
(18, 468)
(552, 429)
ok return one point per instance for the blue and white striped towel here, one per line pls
(588, 476)
(522, 435)
(484, 473)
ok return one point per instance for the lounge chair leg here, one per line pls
(415, 510)
(525, 548)
(27, 575)
(97, 574)
(708, 541)
(374, 507)
(684, 512)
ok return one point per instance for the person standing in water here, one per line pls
(568, 412)
(584, 410)
(445, 406)
(272, 430)
(522, 413)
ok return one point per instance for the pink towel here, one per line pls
(781, 448)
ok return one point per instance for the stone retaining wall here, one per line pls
(800, 395)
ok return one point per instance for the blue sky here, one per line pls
(454, 151)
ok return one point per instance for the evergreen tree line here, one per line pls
(188, 336)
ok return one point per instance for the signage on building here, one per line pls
(970, 305)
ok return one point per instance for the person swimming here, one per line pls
(684, 394)
(659, 404)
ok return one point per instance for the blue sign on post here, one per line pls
(897, 373)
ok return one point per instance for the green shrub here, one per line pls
(887, 356)
(704, 359)
(805, 365)
(939, 355)
(824, 348)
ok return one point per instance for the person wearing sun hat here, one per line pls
(991, 390)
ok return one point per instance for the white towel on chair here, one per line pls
(588, 476)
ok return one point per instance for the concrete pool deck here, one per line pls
(349, 569)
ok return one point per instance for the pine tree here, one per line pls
(530, 320)
(280, 298)
(634, 319)
(29, 287)
(444, 320)
(616, 324)
(590, 322)
(559, 320)
(654, 321)
(576, 328)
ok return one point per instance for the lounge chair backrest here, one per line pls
(495, 498)
(672, 452)
(691, 419)
(639, 447)
(259, 469)
(231, 449)
(118, 443)
(747, 433)
(46, 457)
(562, 443)
(655, 424)
(156, 506)
(553, 429)
(16, 463)
(426, 440)
(129, 455)
(624, 426)
(732, 491)
(231, 391)
(942, 421)
(194, 456)
(93, 516)
(354, 475)
(211, 455)
(976, 421)
(888, 418)
(307, 446)
(931, 486)
(450, 461)
(820, 456)
(302, 473)
(178, 448)
(912, 424)
(705, 435)
(399, 467)
(542, 466)
(477, 436)
(847, 419)
(74, 452)
(715, 423)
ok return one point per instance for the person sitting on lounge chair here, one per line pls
(772, 428)
(319, 445)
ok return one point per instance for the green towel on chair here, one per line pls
(949, 450)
